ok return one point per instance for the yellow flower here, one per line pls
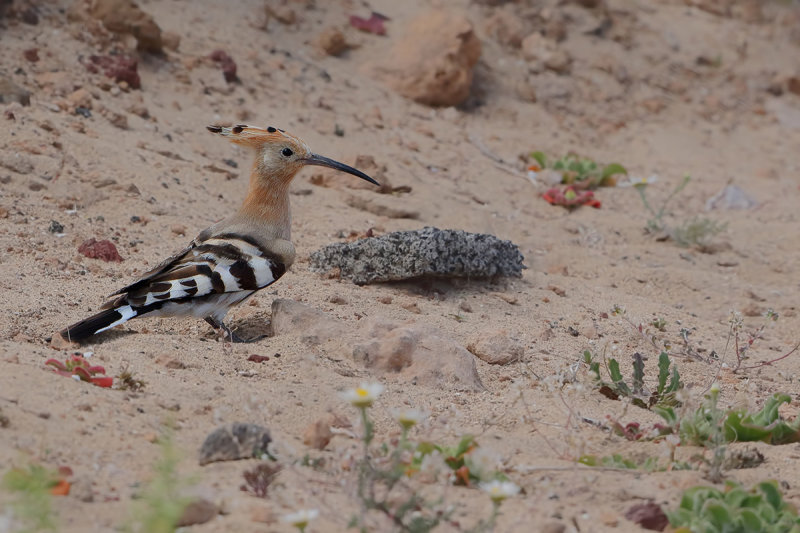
(500, 490)
(408, 418)
(300, 519)
(363, 396)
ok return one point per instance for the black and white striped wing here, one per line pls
(204, 280)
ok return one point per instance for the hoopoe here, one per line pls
(231, 260)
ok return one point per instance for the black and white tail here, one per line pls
(203, 280)
(100, 322)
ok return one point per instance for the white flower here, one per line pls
(409, 418)
(431, 466)
(638, 182)
(482, 462)
(714, 388)
(500, 490)
(300, 519)
(363, 396)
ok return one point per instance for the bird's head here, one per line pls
(280, 155)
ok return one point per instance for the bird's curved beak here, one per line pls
(315, 159)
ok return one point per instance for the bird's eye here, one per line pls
(287, 152)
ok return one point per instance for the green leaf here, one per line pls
(638, 402)
(738, 430)
(540, 158)
(667, 413)
(772, 494)
(750, 521)
(613, 370)
(611, 169)
(718, 513)
(785, 434)
(638, 373)
(678, 517)
(616, 377)
(737, 497)
(675, 382)
(768, 514)
(467, 441)
(589, 460)
(769, 413)
(663, 372)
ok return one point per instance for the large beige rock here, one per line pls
(11, 92)
(312, 325)
(497, 348)
(419, 352)
(544, 52)
(125, 17)
(506, 27)
(432, 63)
(416, 353)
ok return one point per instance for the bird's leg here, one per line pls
(229, 333)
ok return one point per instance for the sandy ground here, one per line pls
(673, 90)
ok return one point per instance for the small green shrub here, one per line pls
(584, 171)
(738, 425)
(697, 232)
(32, 504)
(162, 505)
(656, 224)
(648, 464)
(734, 510)
(669, 381)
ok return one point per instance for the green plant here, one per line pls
(714, 428)
(660, 324)
(32, 504)
(743, 346)
(381, 478)
(656, 223)
(738, 425)
(583, 171)
(128, 382)
(648, 464)
(697, 232)
(734, 510)
(162, 504)
(669, 381)
(384, 473)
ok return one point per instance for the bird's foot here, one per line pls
(228, 332)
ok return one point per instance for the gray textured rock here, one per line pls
(198, 511)
(426, 252)
(235, 441)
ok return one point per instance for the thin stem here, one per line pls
(767, 363)
(678, 189)
(643, 196)
(495, 513)
(368, 430)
